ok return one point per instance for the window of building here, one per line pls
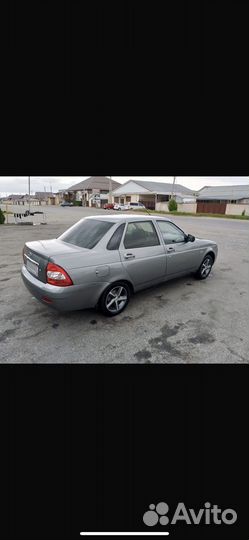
(162, 198)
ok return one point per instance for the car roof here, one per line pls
(126, 217)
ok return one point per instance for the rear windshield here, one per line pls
(86, 234)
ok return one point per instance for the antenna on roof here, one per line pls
(147, 210)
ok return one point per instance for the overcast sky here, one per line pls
(19, 184)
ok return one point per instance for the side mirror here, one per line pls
(189, 238)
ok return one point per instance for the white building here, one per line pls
(154, 195)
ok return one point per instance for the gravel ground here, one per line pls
(182, 321)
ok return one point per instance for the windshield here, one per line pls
(86, 234)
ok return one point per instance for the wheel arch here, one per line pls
(113, 283)
(211, 253)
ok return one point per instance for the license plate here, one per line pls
(32, 268)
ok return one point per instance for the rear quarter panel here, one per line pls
(93, 267)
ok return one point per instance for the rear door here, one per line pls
(142, 253)
(181, 256)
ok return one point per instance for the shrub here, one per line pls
(2, 217)
(77, 203)
(172, 205)
(243, 213)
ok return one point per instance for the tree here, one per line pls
(2, 217)
(172, 205)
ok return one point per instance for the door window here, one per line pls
(141, 234)
(171, 233)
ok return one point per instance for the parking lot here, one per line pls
(182, 321)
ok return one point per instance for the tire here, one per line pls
(122, 291)
(205, 268)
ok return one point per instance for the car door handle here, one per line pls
(171, 249)
(129, 256)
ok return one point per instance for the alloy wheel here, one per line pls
(206, 267)
(116, 299)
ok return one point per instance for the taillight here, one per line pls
(58, 276)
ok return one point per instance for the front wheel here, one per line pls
(205, 268)
(115, 299)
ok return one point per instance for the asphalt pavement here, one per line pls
(182, 321)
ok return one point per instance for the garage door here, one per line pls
(211, 207)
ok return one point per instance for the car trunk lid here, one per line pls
(37, 255)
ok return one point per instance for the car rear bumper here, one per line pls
(71, 298)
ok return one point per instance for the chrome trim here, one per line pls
(31, 260)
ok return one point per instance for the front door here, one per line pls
(142, 253)
(182, 256)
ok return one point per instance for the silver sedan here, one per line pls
(101, 261)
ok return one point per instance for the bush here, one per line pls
(77, 203)
(243, 213)
(2, 217)
(172, 205)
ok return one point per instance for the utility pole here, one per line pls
(29, 194)
(173, 188)
(110, 189)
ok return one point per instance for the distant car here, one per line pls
(108, 206)
(102, 260)
(66, 203)
(120, 207)
(136, 206)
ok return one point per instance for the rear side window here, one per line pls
(141, 234)
(116, 238)
(86, 234)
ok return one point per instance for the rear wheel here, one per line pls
(205, 268)
(115, 299)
